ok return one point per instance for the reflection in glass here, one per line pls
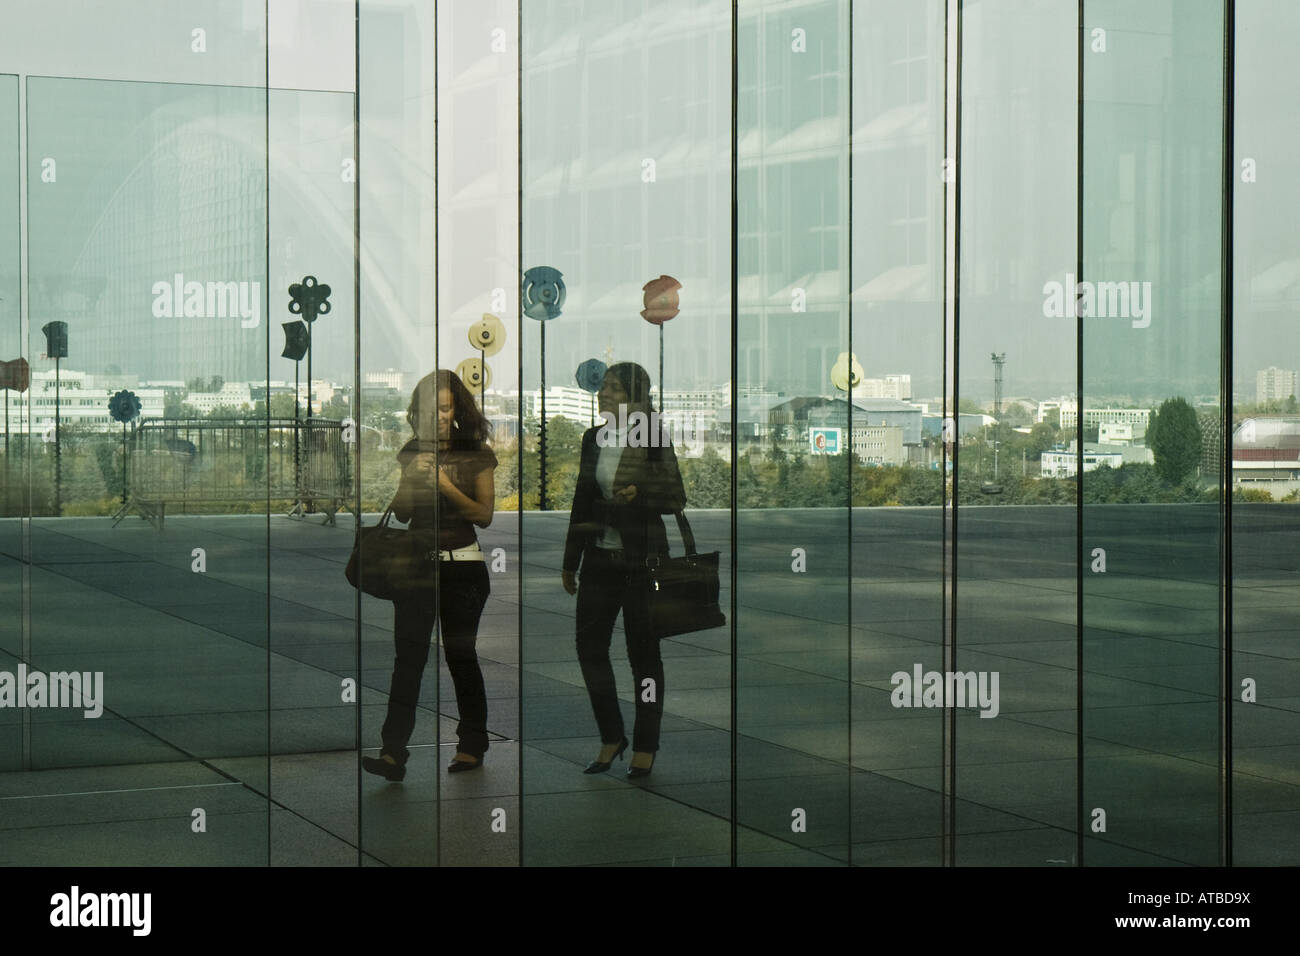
(1148, 300)
(446, 490)
(1264, 444)
(146, 215)
(624, 193)
(1016, 544)
(792, 537)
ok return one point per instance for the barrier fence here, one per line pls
(181, 462)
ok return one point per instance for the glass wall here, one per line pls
(1264, 430)
(626, 285)
(144, 651)
(1016, 540)
(896, 573)
(11, 539)
(1151, 529)
(940, 351)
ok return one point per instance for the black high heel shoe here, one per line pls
(634, 772)
(382, 768)
(600, 766)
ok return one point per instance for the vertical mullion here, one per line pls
(735, 462)
(1078, 473)
(356, 379)
(519, 404)
(1225, 468)
(951, 359)
(849, 461)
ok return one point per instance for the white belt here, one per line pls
(471, 553)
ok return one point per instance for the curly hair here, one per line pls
(469, 428)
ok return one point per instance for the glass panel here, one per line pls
(478, 229)
(793, 479)
(398, 302)
(13, 384)
(1016, 745)
(626, 191)
(1151, 317)
(1265, 449)
(897, 521)
(313, 622)
(147, 223)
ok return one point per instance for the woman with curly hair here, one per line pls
(447, 484)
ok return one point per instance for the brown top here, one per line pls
(418, 501)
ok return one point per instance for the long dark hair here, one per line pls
(636, 382)
(469, 429)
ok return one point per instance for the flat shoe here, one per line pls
(382, 768)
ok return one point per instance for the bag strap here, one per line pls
(684, 528)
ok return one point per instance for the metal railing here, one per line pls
(174, 462)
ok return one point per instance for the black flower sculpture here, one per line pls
(124, 406)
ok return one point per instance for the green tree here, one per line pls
(1174, 437)
(281, 407)
(707, 480)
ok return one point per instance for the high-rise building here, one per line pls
(1273, 384)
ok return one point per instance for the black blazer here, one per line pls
(658, 492)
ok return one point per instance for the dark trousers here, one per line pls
(603, 590)
(463, 590)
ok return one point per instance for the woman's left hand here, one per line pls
(625, 494)
(445, 483)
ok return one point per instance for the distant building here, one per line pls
(968, 423)
(1120, 433)
(1064, 462)
(1057, 406)
(232, 395)
(1096, 417)
(387, 379)
(895, 386)
(879, 445)
(1267, 451)
(871, 412)
(81, 401)
(1274, 384)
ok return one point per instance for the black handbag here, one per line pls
(392, 563)
(681, 594)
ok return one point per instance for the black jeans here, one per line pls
(463, 590)
(603, 590)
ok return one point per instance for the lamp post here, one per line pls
(541, 296)
(309, 299)
(589, 376)
(488, 335)
(297, 338)
(56, 347)
(16, 375)
(661, 304)
(124, 407)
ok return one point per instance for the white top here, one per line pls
(606, 469)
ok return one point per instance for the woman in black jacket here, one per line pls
(627, 479)
(447, 483)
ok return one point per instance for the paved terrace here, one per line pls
(207, 673)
